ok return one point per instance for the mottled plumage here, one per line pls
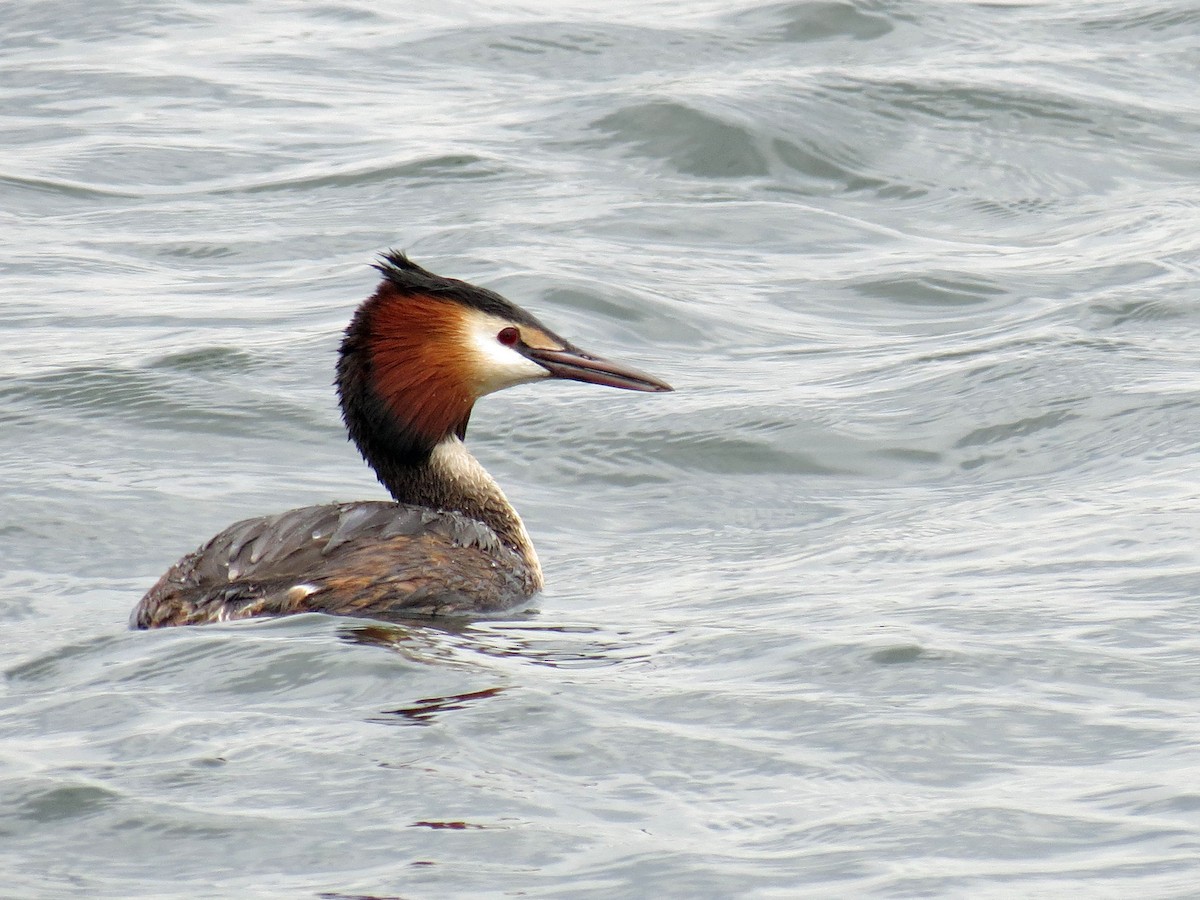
(371, 558)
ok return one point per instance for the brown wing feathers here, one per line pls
(435, 563)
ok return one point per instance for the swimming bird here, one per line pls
(416, 356)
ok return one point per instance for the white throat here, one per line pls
(497, 366)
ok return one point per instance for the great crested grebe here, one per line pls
(416, 356)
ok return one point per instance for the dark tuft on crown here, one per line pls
(409, 279)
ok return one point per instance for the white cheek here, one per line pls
(497, 366)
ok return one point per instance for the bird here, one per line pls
(415, 357)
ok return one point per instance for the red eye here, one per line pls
(508, 336)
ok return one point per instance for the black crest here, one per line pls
(408, 278)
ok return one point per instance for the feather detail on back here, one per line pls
(388, 560)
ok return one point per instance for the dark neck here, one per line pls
(441, 475)
(453, 479)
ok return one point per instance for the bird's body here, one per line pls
(415, 357)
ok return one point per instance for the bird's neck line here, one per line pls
(452, 479)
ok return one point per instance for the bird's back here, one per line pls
(379, 559)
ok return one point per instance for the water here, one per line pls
(896, 596)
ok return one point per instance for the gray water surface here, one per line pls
(896, 596)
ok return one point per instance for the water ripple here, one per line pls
(895, 595)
